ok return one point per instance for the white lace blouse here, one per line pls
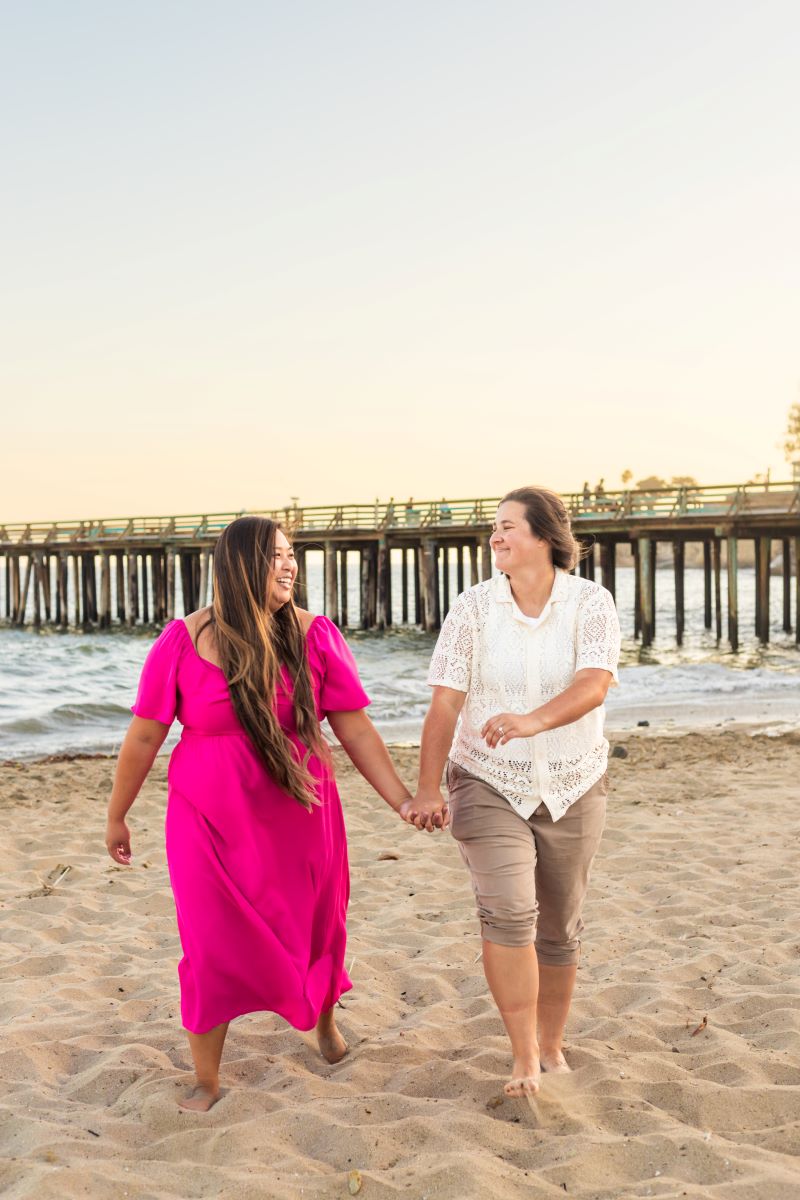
(487, 649)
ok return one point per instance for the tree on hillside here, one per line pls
(626, 477)
(655, 481)
(791, 446)
(650, 483)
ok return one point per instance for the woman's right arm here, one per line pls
(428, 809)
(138, 751)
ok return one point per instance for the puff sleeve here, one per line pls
(598, 634)
(340, 688)
(157, 696)
(452, 661)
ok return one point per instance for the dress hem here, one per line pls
(277, 1011)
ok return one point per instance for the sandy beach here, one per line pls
(691, 922)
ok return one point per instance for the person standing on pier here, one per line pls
(519, 675)
(255, 834)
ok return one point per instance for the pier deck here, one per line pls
(94, 573)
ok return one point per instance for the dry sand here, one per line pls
(692, 913)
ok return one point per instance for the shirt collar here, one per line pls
(503, 594)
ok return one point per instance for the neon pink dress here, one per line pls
(261, 885)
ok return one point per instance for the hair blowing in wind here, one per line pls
(252, 643)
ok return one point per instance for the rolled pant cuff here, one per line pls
(512, 936)
(558, 956)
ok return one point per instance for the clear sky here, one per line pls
(340, 251)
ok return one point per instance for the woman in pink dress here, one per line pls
(255, 834)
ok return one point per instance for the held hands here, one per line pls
(118, 842)
(427, 810)
(505, 726)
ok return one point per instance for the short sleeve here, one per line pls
(598, 633)
(340, 687)
(451, 665)
(157, 697)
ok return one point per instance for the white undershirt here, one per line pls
(532, 621)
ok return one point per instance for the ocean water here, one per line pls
(63, 693)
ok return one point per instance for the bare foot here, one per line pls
(524, 1079)
(554, 1063)
(199, 1099)
(332, 1045)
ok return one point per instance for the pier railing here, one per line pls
(132, 570)
(720, 501)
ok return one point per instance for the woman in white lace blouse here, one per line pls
(519, 676)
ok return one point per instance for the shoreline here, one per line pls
(776, 726)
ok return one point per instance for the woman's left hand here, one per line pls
(505, 726)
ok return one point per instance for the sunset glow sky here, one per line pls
(259, 250)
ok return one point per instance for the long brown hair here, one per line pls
(549, 519)
(252, 643)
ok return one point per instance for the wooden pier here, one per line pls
(142, 570)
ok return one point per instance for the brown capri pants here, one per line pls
(529, 876)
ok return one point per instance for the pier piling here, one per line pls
(384, 588)
(331, 583)
(105, 591)
(46, 565)
(608, 566)
(637, 591)
(445, 555)
(170, 570)
(36, 581)
(679, 562)
(486, 559)
(653, 565)
(733, 593)
(132, 607)
(474, 577)
(343, 585)
(25, 588)
(763, 550)
(145, 589)
(646, 590)
(430, 585)
(404, 586)
(62, 617)
(716, 560)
